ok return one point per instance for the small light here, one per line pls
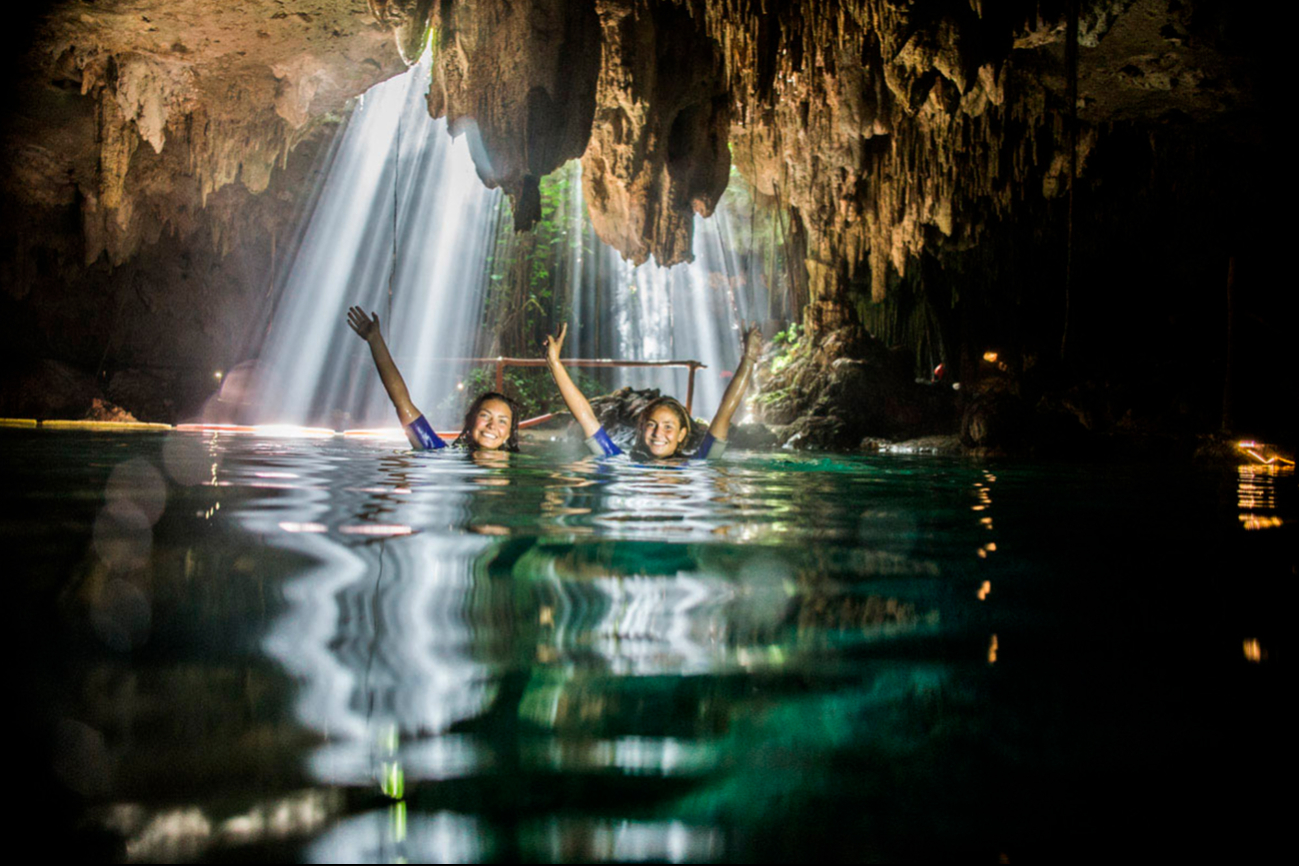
(1255, 521)
(217, 375)
(1254, 652)
(460, 386)
(990, 357)
(985, 589)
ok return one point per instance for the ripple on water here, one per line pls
(548, 658)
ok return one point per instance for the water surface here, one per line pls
(236, 647)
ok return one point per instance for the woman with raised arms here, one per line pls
(664, 425)
(491, 424)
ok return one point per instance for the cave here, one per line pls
(930, 243)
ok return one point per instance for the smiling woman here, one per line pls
(491, 424)
(664, 425)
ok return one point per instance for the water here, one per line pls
(233, 647)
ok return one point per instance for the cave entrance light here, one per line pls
(393, 170)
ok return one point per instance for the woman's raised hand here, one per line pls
(555, 344)
(752, 343)
(366, 327)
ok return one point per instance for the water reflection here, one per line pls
(584, 840)
(1256, 491)
(391, 836)
(414, 642)
(378, 638)
(171, 835)
(365, 654)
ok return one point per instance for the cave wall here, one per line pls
(159, 156)
(150, 334)
(138, 112)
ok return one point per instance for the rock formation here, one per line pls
(159, 153)
(155, 106)
(658, 150)
(925, 156)
(519, 80)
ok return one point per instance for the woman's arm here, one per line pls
(739, 384)
(573, 398)
(367, 328)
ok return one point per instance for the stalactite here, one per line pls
(519, 80)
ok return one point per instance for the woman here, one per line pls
(664, 425)
(491, 424)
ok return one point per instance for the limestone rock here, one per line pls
(217, 93)
(754, 436)
(658, 151)
(817, 433)
(149, 394)
(867, 389)
(519, 80)
(996, 422)
(103, 410)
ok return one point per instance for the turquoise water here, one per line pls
(337, 650)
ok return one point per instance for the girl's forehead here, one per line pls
(662, 415)
(495, 407)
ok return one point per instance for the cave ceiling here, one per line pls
(881, 127)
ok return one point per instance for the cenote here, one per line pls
(992, 565)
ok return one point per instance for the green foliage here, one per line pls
(788, 337)
(529, 287)
(787, 342)
(768, 398)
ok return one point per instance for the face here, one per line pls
(491, 426)
(663, 432)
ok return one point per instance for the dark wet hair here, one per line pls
(464, 440)
(642, 420)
